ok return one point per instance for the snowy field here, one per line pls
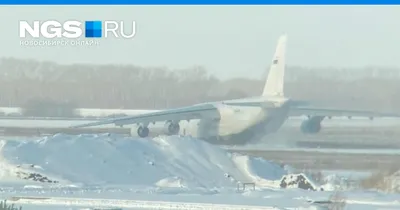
(88, 171)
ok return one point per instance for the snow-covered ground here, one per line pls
(76, 171)
(183, 163)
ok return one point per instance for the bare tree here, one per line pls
(135, 87)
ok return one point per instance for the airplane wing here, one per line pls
(199, 111)
(296, 110)
(315, 111)
(261, 102)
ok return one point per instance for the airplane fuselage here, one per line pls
(240, 125)
(232, 124)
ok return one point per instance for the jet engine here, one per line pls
(171, 128)
(311, 125)
(143, 131)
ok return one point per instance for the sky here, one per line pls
(229, 41)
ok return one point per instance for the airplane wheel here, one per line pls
(143, 132)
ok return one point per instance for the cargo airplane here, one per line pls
(236, 121)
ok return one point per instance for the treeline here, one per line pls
(135, 87)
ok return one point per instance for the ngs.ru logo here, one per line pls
(71, 31)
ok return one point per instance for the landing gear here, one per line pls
(143, 131)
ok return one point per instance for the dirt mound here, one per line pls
(34, 177)
(298, 181)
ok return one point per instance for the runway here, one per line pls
(364, 147)
(358, 144)
(341, 145)
(331, 159)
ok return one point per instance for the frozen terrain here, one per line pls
(166, 162)
(161, 173)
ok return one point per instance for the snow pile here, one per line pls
(334, 182)
(166, 162)
(257, 169)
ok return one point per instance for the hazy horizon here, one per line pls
(229, 41)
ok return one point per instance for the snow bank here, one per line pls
(262, 172)
(167, 162)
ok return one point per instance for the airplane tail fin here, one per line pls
(274, 83)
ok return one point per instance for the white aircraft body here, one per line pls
(237, 121)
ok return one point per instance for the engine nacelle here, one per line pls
(171, 128)
(143, 131)
(311, 125)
